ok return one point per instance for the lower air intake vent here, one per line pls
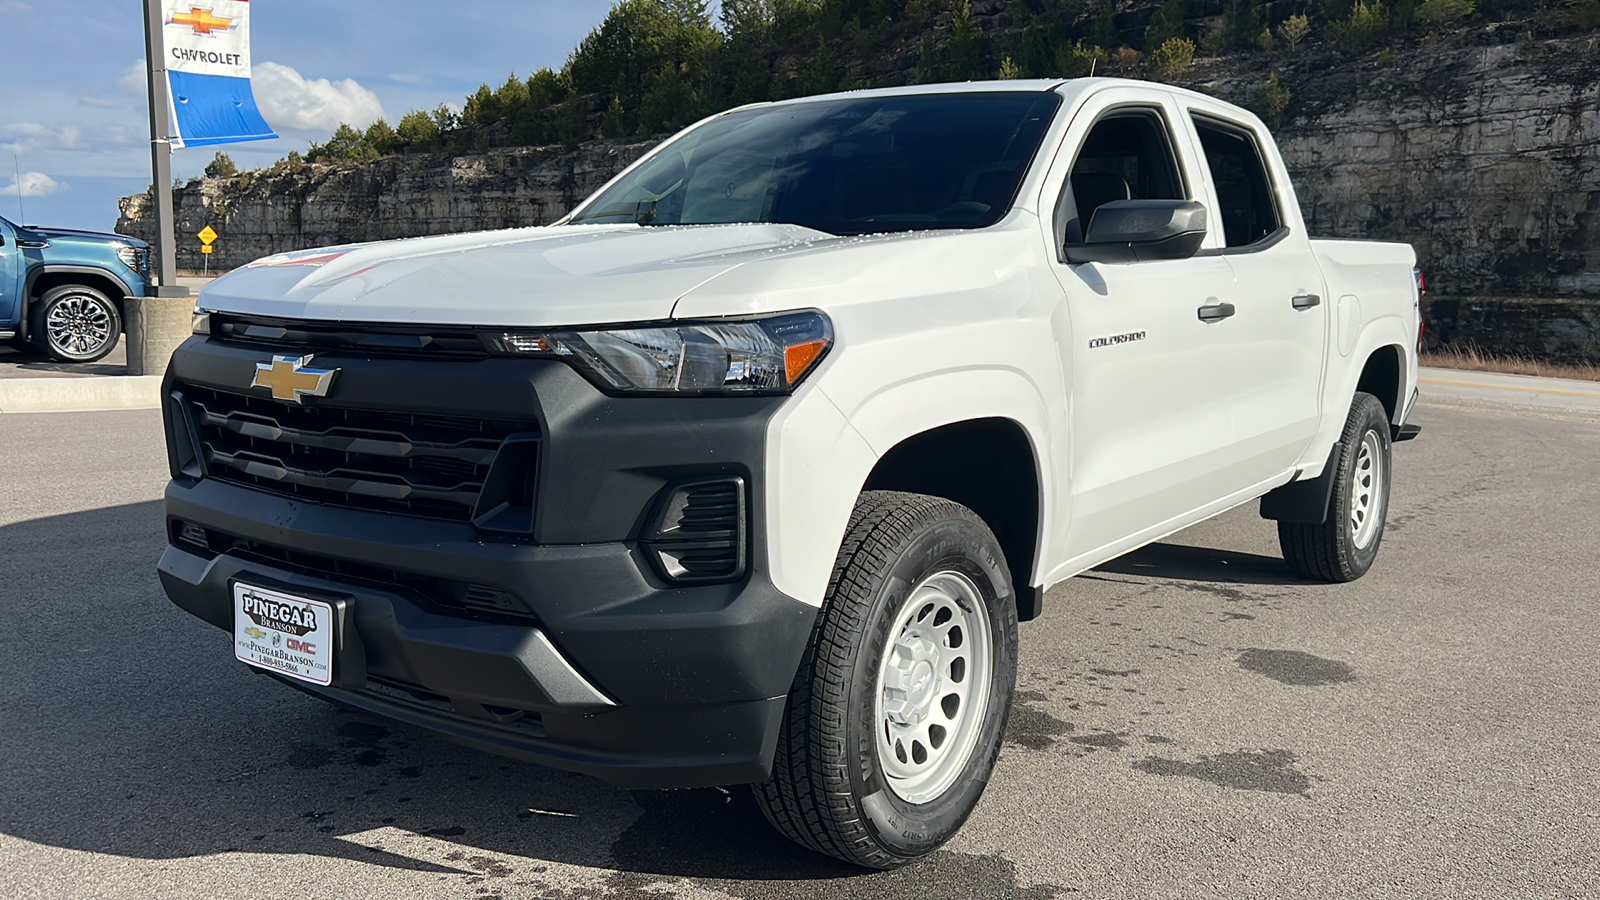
(699, 531)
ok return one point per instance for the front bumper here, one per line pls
(605, 667)
(646, 687)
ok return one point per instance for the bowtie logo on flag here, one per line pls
(202, 21)
(208, 71)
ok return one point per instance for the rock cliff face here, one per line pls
(276, 210)
(1486, 157)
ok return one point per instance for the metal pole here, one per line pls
(166, 255)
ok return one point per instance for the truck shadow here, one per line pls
(1181, 562)
(28, 359)
(128, 729)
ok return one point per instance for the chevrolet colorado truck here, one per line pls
(746, 471)
(63, 289)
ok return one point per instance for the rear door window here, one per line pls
(1249, 207)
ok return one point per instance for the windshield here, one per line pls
(846, 166)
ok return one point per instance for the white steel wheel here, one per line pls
(1367, 493)
(1344, 545)
(895, 719)
(933, 686)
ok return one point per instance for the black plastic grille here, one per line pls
(700, 532)
(420, 465)
(440, 594)
(299, 335)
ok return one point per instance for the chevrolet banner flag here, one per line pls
(208, 70)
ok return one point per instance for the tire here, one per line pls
(920, 584)
(1344, 546)
(75, 324)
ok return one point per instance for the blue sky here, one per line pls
(72, 98)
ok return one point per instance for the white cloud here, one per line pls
(135, 79)
(31, 137)
(99, 102)
(291, 102)
(406, 78)
(34, 184)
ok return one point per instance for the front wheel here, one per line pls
(76, 324)
(896, 715)
(1344, 546)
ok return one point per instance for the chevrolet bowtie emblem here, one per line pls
(203, 21)
(289, 378)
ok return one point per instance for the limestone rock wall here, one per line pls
(277, 210)
(1485, 157)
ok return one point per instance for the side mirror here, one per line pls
(1125, 231)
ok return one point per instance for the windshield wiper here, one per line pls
(641, 214)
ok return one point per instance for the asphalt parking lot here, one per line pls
(1193, 721)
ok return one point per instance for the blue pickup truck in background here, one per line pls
(62, 290)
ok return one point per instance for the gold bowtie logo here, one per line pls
(203, 21)
(289, 378)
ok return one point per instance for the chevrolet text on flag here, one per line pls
(208, 69)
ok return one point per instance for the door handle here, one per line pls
(1216, 312)
(1305, 301)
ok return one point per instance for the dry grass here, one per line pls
(1472, 358)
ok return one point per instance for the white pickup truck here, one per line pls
(746, 471)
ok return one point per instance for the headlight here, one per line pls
(765, 355)
(129, 256)
(202, 322)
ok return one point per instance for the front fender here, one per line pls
(819, 458)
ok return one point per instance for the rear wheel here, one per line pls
(896, 715)
(1345, 545)
(76, 324)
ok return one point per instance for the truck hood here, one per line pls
(75, 233)
(530, 277)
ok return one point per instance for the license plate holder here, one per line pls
(284, 633)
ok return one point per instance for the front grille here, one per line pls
(389, 340)
(441, 595)
(420, 465)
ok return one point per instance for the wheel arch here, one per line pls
(989, 466)
(45, 279)
(1383, 376)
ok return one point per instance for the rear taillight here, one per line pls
(1422, 281)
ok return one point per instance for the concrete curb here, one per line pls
(79, 394)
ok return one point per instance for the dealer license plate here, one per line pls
(287, 634)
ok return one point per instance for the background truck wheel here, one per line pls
(1343, 547)
(76, 324)
(896, 715)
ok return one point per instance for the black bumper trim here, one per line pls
(711, 761)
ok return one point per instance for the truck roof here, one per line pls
(1072, 88)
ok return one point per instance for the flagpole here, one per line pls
(166, 255)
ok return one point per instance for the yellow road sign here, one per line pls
(207, 235)
(207, 248)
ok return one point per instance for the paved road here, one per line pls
(1194, 721)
